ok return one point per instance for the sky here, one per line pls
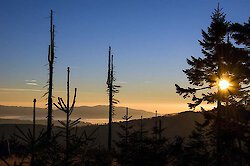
(150, 40)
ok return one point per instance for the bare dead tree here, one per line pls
(51, 57)
(112, 89)
(34, 133)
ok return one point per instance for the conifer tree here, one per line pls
(197, 149)
(141, 132)
(4, 152)
(158, 143)
(126, 127)
(241, 33)
(176, 152)
(68, 125)
(30, 140)
(222, 60)
(125, 136)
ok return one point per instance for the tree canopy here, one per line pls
(222, 60)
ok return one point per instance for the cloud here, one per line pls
(31, 82)
(20, 90)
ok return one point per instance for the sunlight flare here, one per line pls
(224, 84)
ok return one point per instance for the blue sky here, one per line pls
(151, 40)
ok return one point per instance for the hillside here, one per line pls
(38, 122)
(180, 124)
(175, 125)
(85, 112)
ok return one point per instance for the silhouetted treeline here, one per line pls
(223, 138)
(137, 146)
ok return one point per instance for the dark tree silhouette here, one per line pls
(51, 57)
(136, 147)
(205, 72)
(126, 128)
(112, 89)
(222, 60)
(124, 144)
(198, 148)
(141, 132)
(157, 129)
(176, 152)
(30, 140)
(33, 134)
(81, 146)
(241, 33)
(66, 108)
(4, 150)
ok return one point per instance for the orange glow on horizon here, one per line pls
(162, 108)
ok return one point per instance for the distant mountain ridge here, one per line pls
(38, 122)
(180, 124)
(85, 112)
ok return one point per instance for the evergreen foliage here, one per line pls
(222, 60)
(68, 125)
(197, 149)
(138, 148)
(241, 33)
(221, 136)
(124, 144)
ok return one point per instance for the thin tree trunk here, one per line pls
(67, 121)
(51, 62)
(110, 86)
(33, 134)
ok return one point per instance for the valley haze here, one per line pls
(90, 114)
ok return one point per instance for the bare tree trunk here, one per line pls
(110, 84)
(67, 121)
(33, 134)
(51, 63)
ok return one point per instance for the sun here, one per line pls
(224, 84)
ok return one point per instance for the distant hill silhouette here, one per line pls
(85, 112)
(180, 124)
(39, 122)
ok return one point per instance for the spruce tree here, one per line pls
(69, 124)
(197, 149)
(30, 140)
(124, 144)
(222, 60)
(241, 33)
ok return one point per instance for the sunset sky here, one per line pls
(150, 40)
